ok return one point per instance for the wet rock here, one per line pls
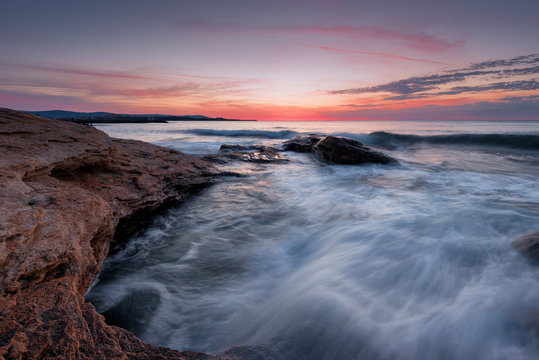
(528, 245)
(237, 147)
(64, 188)
(341, 150)
(337, 150)
(302, 143)
(253, 153)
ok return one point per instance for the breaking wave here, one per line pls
(516, 141)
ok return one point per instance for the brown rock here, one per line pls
(528, 245)
(64, 188)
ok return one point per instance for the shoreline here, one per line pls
(69, 191)
(70, 194)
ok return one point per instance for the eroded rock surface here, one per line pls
(337, 150)
(64, 188)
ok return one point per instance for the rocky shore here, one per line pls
(65, 190)
(69, 193)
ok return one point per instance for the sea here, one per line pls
(318, 261)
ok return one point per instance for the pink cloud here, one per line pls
(418, 41)
(102, 74)
(392, 56)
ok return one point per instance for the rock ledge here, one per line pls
(65, 188)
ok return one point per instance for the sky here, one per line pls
(274, 60)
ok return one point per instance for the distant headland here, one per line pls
(106, 117)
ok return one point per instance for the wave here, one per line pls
(515, 141)
(383, 138)
(266, 134)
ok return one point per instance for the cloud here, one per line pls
(415, 84)
(419, 86)
(392, 56)
(519, 60)
(407, 97)
(84, 72)
(362, 106)
(510, 86)
(125, 85)
(514, 108)
(180, 89)
(506, 86)
(520, 99)
(414, 40)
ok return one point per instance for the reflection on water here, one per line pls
(408, 261)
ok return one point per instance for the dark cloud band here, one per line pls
(415, 87)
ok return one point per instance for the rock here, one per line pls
(259, 154)
(341, 150)
(336, 149)
(302, 143)
(66, 189)
(237, 147)
(528, 245)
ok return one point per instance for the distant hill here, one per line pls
(106, 117)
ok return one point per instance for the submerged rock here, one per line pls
(528, 245)
(336, 149)
(66, 189)
(252, 153)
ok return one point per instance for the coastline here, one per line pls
(69, 193)
(112, 118)
(66, 190)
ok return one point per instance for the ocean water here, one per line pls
(319, 261)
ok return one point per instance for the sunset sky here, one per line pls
(274, 60)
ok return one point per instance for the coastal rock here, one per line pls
(302, 143)
(337, 150)
(528, 245)
(341, 150)
(237, 147)
(252, 153)
(66, 189)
